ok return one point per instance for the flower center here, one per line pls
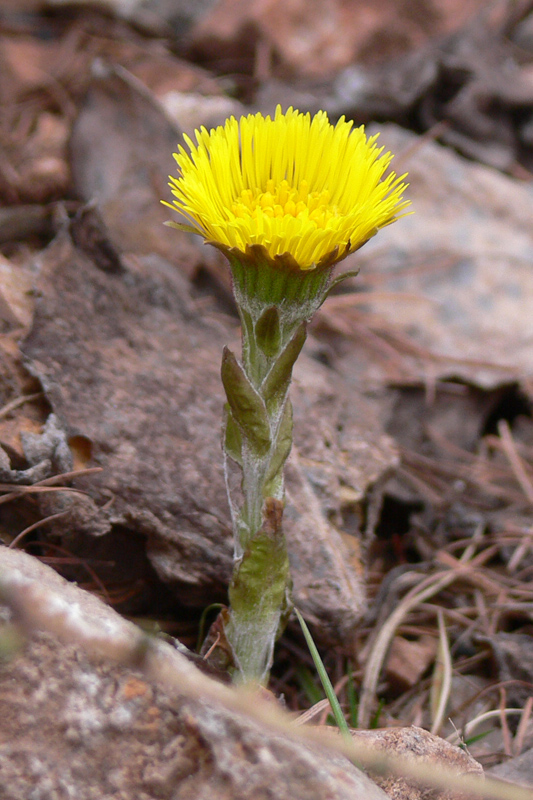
(284, 200)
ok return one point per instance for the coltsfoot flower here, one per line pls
(307, 191)
(284, 199)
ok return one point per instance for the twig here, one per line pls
(426, 589)
(314, 711)
(18, 538)
(19, 401)
(506, 733)
(522, 727)
(469, 728)
(514, 459)
(47, 485)
(442, 682)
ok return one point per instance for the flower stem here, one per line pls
(274, 306)
(259, 417)
(259, 598)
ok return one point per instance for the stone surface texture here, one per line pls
(78, 719)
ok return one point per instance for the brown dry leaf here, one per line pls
(474, 87)
(27, 61)
(317, 38)
(171, 18)
(408, 660)
(162, 73)
(16, 301)
(126, 178)
(35, 109)
(10, 433)
(20, 409)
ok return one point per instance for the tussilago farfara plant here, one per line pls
(284, 199)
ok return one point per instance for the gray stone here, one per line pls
(79, 719)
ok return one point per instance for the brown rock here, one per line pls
(467, 311)
(417, 745)
(78, 719)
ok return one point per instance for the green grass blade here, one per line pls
(324, 679)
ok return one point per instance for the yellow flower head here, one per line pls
(300, 187)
